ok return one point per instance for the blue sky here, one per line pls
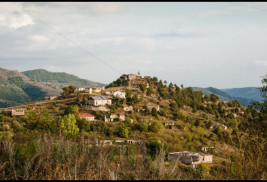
(218, 44)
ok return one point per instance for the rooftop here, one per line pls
(100, 98)
(85, 115)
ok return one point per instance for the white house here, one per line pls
(151, 106)
(18, 112)
(119, 94)
(87, 116)
(121, 116)
(99, 101)
(127, 108)
(79, 89)
(189, 158)
(98, 89)
(88, 90)
(132, 76)
(50, 97)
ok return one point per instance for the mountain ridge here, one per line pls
(17, 88)
(223, 96)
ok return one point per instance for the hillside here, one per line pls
(59, 134)
(223, 96)
(17, 88)
(246, 92)
(59, 80)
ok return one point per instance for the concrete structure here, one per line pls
(121, 116)
(205, 149)
(119, 141)
(93, 108)
(119, 94)
(99, 101)
(18, 112)
(108, 93)
(219, 125)
(190, 158)
(87, 116)
(50, 97)
(98, 89)
(151, 106)
(114, 116)
(168, 124)
(104, 142)
(132, 76)
(127, 108)
(88, 90)
(133, 141)
(79, 89)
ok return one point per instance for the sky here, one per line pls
(198, 44)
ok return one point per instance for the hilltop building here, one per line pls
(18, 112)
(99, 101)
(87, 116)
(119, 94)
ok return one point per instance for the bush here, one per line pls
(68, 125)
(143, 127)
(123, 131)
(71, 109)
(156, 127)
(83, 124)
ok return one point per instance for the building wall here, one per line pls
(207, 158)
(18, 112)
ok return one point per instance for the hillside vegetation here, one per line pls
(247, 92)
(17, 88)
(226, 96)
(52, 142)
(64, 79)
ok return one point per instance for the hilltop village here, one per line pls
(135, 110)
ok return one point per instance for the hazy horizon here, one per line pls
(217, 44)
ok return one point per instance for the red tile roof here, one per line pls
(113, 114)
(85, 115)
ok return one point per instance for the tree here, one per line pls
(149, 91)
(1, 118)
(155, 79)
(214, 98)
(68, 125)
(165, 82)
(154, 112)
(83, 124)
(156, 127)
(68, 90)
(264, 93)
(143, 88)
(71, 109)
(154, 148)
(84, 100)
(123, 131)
(143, 127)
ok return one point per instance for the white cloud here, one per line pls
(93, 8)
(261, 62)
(187, 31)
(227, 11)
(54, 68)
(19, 20)
(13, 17)
(39, 38)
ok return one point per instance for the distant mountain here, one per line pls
(246, 92)
(17, 88)
(59, 79)
(223, 96)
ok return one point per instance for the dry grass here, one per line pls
(49, 158)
